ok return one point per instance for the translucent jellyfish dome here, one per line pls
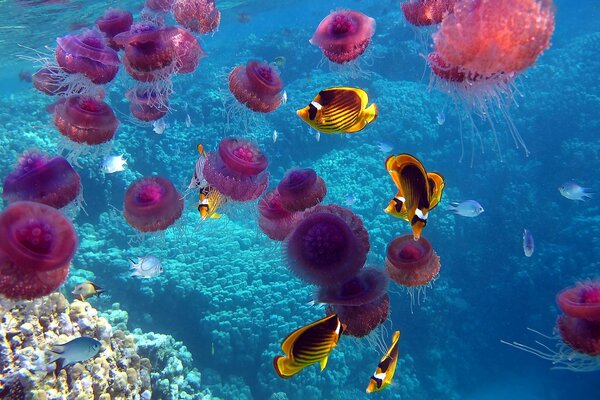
(301, 188)
(411, 262)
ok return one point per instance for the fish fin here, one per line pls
(436, 188)
(370, 113)
(81, 297)
(59, 365)
(324, 362)
(279, 363)
(97, 288)
(215, 216)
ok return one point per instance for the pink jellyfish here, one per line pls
(85, 120)
(187, 51)
(361, 303)
(47, 80)
(237, 170)
(152, 204)
(159, 5)
(426, 12)
(200, 16)
(301, 188)
(89, 54)
(37, 243)
(344, 35)
(257, 85)
(329, 245)
(275, 220)
(146, 104)
(411, 262)
(38, 178)
(114, 22)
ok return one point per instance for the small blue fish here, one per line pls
(573, 191)
(441, 118)
(528, 244)
(350, 200)
(77, 350)
(146, 267)
(385, 148)
(468, 208)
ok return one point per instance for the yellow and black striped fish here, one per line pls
(386, 368)
(339, 110)
(209, 201)
(418, 191)
(309, 345)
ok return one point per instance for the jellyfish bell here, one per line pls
(85, 120)
(344, 35)
(88, 53)
(47, 81)
(363, 319)
(580, 334)
(152, 204)
(113, 22)
(146, 104)
(301, 188)
(237, 170)
(426, 12)
(38, 178)
(328, 245)
(159, 5)
(581, 301)
(274, 219)
(257, 85)
(37, 243)
(187, 51)
(200, 16)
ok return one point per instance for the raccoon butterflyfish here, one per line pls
(209, 201)
(384, 373)
(309, 345)
(339, 110)
(418, 191)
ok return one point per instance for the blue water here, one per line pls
(226, 293)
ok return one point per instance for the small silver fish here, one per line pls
(112, 164)
(159, 126)
(528, 244)
(77, 350)
(275, 135)
(441, 118)
(385, 148)
(188, 121)
(350, 200)
(467, 208)
(573, 191)
(146, 267)
(284, 98)
(317, 135)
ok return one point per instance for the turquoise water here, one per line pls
(226, 293)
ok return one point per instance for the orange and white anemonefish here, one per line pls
(386, 368)
(339, 110)
(418, 191)
(309, 345)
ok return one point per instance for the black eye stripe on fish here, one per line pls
(312, 112)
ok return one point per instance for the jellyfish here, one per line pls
(112, 23)
(274, 219)
(85, 120)
(256, 85)
(361, 303)
(88, 53)
(480, 50)
(146, 104)
(237, 169)
(329, 245)
(47, 81)
(344, 35)
(38, 178)
(301, 188)
(426, 12)
(159, 5)
(412, 263)
(575, 344)
(200, 16)
(152, 204)
(187, 51)
(37, 243)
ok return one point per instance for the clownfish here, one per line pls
(418, 191)
(339, 110)
(309, 345)
(209, 201)
(386, 368)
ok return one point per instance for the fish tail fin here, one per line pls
(587, 194)
(370, 113)
(99, 292)
(279, 364)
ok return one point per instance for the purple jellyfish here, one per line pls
(114, 22)
(329, 245)
(301, 188)
(51, 181)
(274, 220)
(237, 170)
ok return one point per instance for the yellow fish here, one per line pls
(309, 345)
(339, 110)
(87, 289)
(209, 201)
(386, 368)
(418, 191)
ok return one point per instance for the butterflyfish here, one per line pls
(209, 201)
(418, 191)
(386, 368)
(309, 345)
(339, 110)
(198, 177)
(87, 289)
